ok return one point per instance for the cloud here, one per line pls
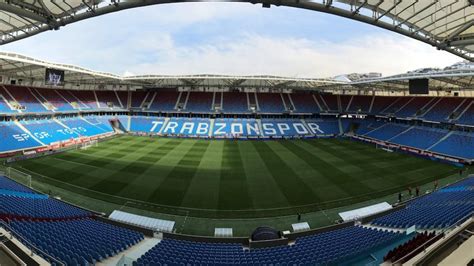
(230, 38)
(252, 54)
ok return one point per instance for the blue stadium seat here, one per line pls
(323, 248)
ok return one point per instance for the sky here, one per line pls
(230, 38)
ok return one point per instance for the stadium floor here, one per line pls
(234, 179)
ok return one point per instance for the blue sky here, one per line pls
(230, 38)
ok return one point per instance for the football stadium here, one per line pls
(98, 168)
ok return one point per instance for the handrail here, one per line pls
(429, 242)
(30, 246)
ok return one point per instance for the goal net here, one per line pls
(88, 144)
(19, 176)
(383, 147)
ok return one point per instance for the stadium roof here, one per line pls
(446, 24)
(452, 79)
(32, 72)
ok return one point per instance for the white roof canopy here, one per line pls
(32, 71)
(446, 24)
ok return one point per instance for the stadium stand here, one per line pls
(164, 101)
(24, 97)
(229, 128)
(235, 102)
(387, 132)
(65, 232)
(345, 101)
(34, 132)
(83, 127)
(14, 138)
(55, 99)
(414, 107)
(4, 108)
(101, 122)
(108, 99)
(467, 117)
(35, 100)
(330, 102)
(457, 144)
(74, 237)
(270, 103)
(77, 242)
(49, 131)
(437, 210)
(284, 128)
(38, 207)
(406, 248)
(72, 100)
(421, 138)
(304, 103)
(7, 184)
(323, 248)
(361, 126)
(146, 124)
(381, 103)
(442, 109)
(397, 105)
(287, 102)
(199, 102)
(324, 126)
(87, 98)
(137, 98)
(123, 98)
(190, 127)
(359, 104)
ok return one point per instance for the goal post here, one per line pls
(19, 176)
(88, 144)
(383, 147)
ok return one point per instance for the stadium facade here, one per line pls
(48, 109)
(81, 107)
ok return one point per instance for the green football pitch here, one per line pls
(234, 179)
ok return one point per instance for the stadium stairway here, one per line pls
(317, 102)
(427, 110)
(440, 140)
(131, 254)
(211, 126)
(43, 102)
(144, 100)
(119, 100)
(401, 133)
(28, 132)
(129, 122)
(67, 101)
(341, 128)
(376, 128)
(165, 124)
(96, 99)
(60, 123)
(463, 110)
(153, 97)
(306, 125)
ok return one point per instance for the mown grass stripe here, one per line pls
(348, 183)
(295, 190)
(174, 187)
(233, 187)
(262, 187)
(206, 180)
